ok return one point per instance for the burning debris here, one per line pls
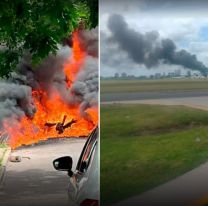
(63, 86)
(61, 126)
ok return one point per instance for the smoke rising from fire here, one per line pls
(149, 49)
(50, 75)
(17, 93)
(15, 100)
(89, 40)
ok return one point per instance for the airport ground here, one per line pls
(123, 90)
(164, 142)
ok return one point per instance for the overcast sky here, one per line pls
(184, 23)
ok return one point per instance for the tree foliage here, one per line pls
(37, 26)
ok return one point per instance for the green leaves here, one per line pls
(38, 26)
(8, 61)
(93, 7)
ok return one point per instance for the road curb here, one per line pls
(4, 162)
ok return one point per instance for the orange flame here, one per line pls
(73, 67)
(52, 109)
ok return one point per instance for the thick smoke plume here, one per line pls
(149, 49)
(89, 41)
(15, 101)
(16, 92)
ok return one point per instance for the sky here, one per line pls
(176, 25)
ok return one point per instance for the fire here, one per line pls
(72, 68)
(52, 109)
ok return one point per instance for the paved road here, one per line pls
(150, 95)
(194, 102)
(34, 182)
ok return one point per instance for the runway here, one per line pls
(129, 96)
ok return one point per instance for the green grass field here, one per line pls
(3, 148)
(115, 86)
(143, 146)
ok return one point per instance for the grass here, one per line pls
(143, 146)
(2, 147)
(119, 86)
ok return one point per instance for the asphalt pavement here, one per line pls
(194, 102)
(34, 181)
(128, 96)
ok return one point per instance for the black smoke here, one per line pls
(16, 98)
(149, 49)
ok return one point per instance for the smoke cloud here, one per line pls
(89, 40)
(15, 101)
(16, 92)
(149, 49)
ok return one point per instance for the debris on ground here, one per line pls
(17, 158)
